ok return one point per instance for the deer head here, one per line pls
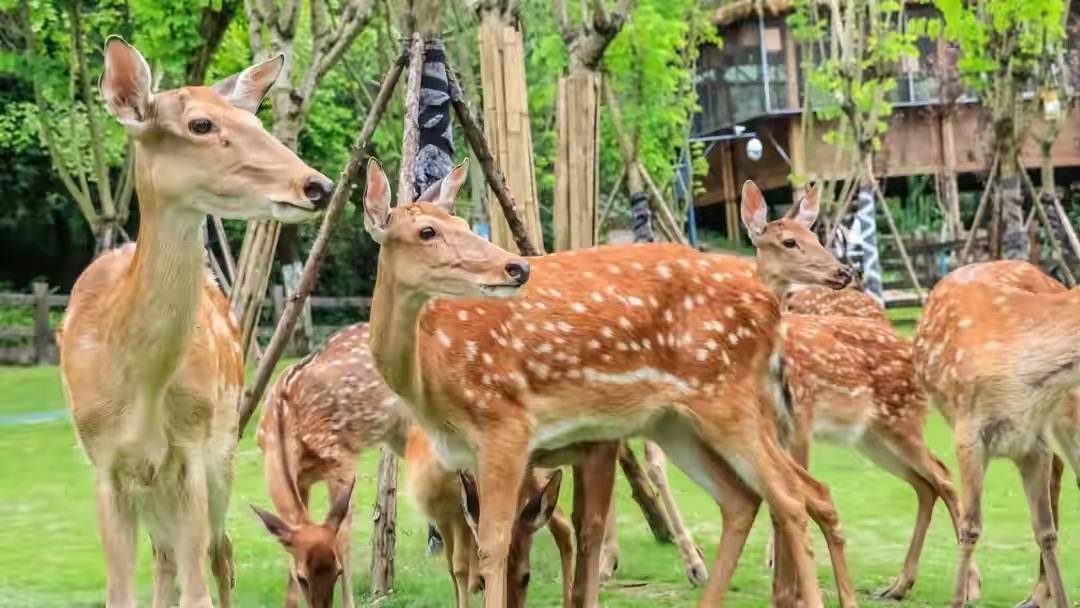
(316, 565)
(534, 515)
(428, 250)
(202, 149)
(788, 251)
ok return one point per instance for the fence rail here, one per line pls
(35, 344)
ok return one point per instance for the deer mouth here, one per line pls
(294, 205)
(499, 290)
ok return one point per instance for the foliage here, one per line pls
(850, 59)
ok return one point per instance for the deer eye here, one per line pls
(427, 233)
(200, 126)
(790, 243)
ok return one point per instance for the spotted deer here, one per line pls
(150, 354)
(319, 416)
(818, 300)
(996, 351)
(657, 340)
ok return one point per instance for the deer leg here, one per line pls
(340, 481)
(972, 459)
(822, 510)
(1040, 593)
(738, 508)
(1035, 471)
(190, 510)
(117, 525)
(594, 481)
(656, 469)
(500, 465)
(563, 534)
(784, 582)
(221, 558)
(164, 575)
(609, 548)
(456, 547)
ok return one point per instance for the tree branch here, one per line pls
(97, 144)
(354, 18)
(211, 28)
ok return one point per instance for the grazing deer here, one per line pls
(996, 350)
(319, 416)
(602, 344)
(150, 354)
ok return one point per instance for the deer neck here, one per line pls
(394, 327)
(154, 313)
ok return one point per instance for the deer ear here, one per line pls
(125, 84)
(450, 186)
(246, 89)
(275, 526)
(376, 202)
(470, 500)
(806, 211)
(340, 509)
(753, 210)
(536, 513)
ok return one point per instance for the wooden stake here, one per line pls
(979, 212)
(475, 136)
(342, 189)
(384, 536)
(410, 139)
(1055, 246)
(644, 494)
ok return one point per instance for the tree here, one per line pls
(1004, 45)
(272, 29)
(854, 50)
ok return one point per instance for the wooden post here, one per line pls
(576, 159)
(42, 335)
(277, 296)
(384, 535)
(506, 124)
(644, 494)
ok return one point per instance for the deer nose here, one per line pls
(317, 190)
(518, 271)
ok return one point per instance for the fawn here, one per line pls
(600, 344)
(319, 415)
(150, 353)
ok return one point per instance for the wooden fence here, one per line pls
(932, 260)
(35, 344)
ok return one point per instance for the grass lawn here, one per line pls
(51, 556)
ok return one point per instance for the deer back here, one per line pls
(820, 300)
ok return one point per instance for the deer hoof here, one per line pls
(897, 591)
(697, 574)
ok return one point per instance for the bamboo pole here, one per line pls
(1055, 246)
(475, 136)
(342, 190)
(899, 241)
(979, 212)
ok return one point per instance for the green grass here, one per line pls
(51, 557)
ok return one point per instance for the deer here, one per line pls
(318, 417)
(505, 361)
(995, 349)
(149, 351)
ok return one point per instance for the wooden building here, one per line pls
(752, 87)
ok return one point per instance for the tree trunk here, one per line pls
(576, 160)
(384, 536)
(644, 494)
(506, 124)
(1014, 238)
(950, 190)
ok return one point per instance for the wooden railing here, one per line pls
(35, 344)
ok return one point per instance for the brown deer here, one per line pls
(150, 354)
(318, 417)
(602, 344)
(996, 350)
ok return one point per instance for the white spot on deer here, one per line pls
(660, 339)
(588, 274)
(541, 370)
(462, 315)
(488, 359)
(530, 327)
(593, 344)
(711, 344)
(688, 303)
(664, 271)
(441, 336)
(635, 301)
(486, 379)
(654, 302)
(607, 332)
(549, 326)
(686, 339)
(621, 346)
(519, 379)
(558, 340)
(565, 327)
(720, 277)
(470, 350)
(625, 323)
(646, 344)
(480, 311)
(964, 323)
(669, 316)
(729, 312)
(596, 296)
(578, 307)
(526, 305)
(555, 293)
(613, 269)
(544, 348)
(606, 358)
(702, 262)
(573, 373)
(518, 344)
(634, 346)
(637, 266)
(701, 354)
(541, 306)
(699, 299)
(733, 338)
